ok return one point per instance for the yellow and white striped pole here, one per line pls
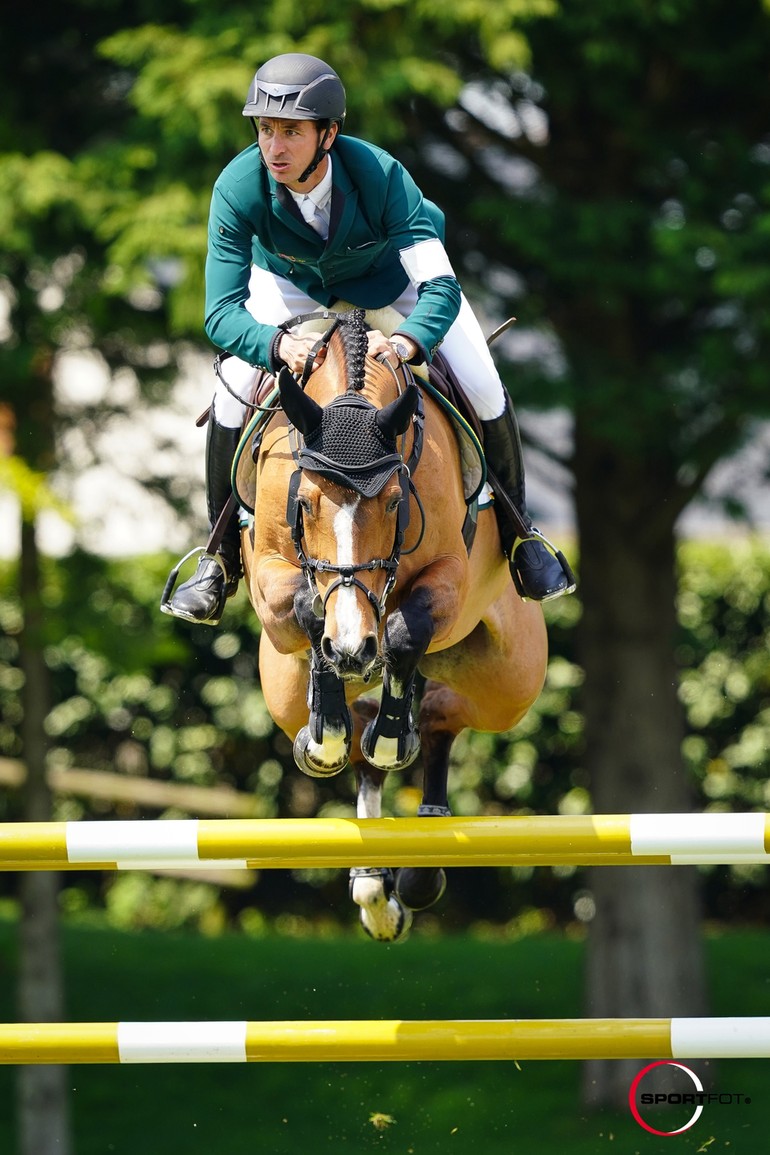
(384, 1041)
(583, 840)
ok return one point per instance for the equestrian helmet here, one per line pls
(295, 86)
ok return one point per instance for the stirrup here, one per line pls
(536, 535)
(165, 602)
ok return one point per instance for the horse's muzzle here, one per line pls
(351, 664)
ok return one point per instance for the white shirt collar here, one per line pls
(321, 194)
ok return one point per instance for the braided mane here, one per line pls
(352, 331)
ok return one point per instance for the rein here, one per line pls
(286, 326)
(254, 405)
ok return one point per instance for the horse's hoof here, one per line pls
(382, 915)
(419, 887)
(383, 752)
(309, 765)
(388, 923)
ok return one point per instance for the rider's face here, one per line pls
(288, 147)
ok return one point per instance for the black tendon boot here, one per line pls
(202, 598)
(537, 573)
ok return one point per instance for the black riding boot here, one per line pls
(537, 573)
(202, 598)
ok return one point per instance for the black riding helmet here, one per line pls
(296, 86)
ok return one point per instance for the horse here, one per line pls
(360, 575)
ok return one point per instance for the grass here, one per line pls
(282, 1109)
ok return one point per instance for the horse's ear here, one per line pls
(303, 412)
(394, 419)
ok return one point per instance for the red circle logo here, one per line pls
(635, 1085)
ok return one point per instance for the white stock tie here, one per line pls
(314, 216)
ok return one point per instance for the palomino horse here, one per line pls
(360, 576)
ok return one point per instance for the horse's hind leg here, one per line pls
(419, 887)
(486, 684)
(382, 915)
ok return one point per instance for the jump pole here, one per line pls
(384, 1041)
(306, 843)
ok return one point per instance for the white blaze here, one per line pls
(350, 622)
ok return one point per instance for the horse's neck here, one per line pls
(332, 378)
(379, 384)
(329, 380)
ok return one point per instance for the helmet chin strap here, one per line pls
(319, 156)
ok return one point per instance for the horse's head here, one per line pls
(348, 508)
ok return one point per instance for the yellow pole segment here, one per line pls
(529, 840)
(59, 1043)
(33, 842)
(436, 1040)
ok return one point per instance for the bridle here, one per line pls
(347, 575)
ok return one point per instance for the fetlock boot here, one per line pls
(539, 571)
(202, 597)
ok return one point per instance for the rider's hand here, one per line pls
(380, 346)
(294, 351)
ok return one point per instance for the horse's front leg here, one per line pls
(289, 630)
(392, 741)
(322, 747)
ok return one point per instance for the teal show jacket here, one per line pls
(377, 213)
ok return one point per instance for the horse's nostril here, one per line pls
(329, 650)
(368, 650)
(346, 660)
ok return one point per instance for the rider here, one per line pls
(300, 220)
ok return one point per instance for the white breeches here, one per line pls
(273, 300)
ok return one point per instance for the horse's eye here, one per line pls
(393, 504)
(304, 504)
